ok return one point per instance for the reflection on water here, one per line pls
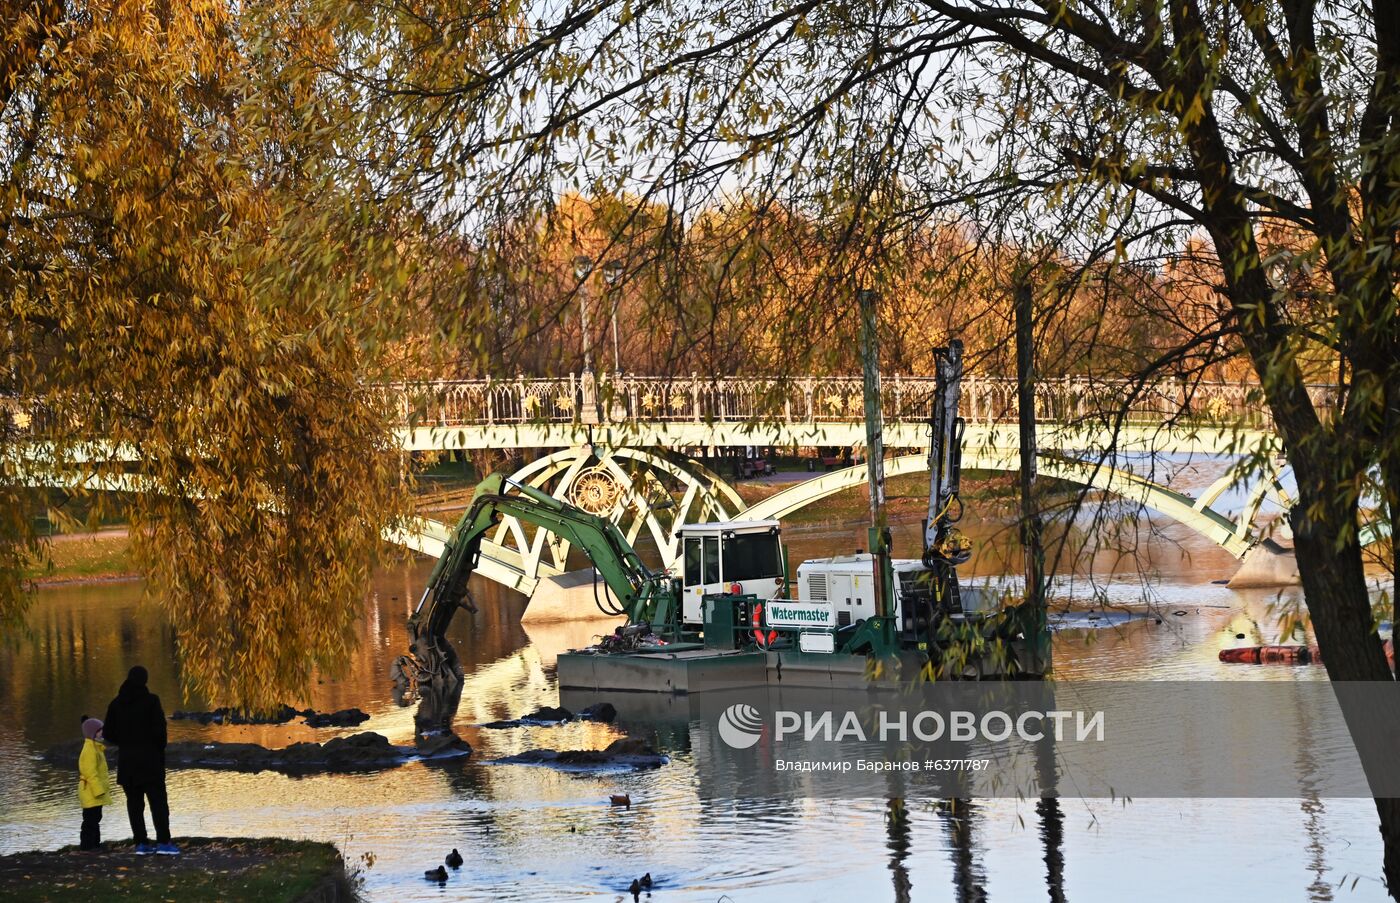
(531, 833)
(897, 828)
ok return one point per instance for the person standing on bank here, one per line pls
(136, 725)
(94, 787)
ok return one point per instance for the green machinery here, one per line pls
(650, 600)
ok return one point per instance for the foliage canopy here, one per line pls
(191, 275)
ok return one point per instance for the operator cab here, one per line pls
(716, 556)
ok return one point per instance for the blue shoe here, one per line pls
(167, 849)
(145, 849)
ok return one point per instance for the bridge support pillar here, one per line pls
(1267, 564)
(571, 596)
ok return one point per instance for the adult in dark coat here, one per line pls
(135, 723)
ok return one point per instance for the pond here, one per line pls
(530, 833)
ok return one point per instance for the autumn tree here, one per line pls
(193, 291)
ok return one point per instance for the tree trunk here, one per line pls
(1032, 529)
(1390, 482)
(1389, 812)
(1389, 809)
(1334, 585)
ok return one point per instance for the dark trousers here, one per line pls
(90, 837)
(136, 796)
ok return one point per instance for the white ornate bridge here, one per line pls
(624, 447)
(621, 442)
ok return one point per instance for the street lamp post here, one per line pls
(612, 273)
(583, 268)
(588, 412)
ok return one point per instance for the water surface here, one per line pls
(533, 834)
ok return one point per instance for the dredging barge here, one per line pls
(731, 619)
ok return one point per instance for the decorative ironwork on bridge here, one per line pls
(626, 398)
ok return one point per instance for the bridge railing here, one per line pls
(626, 398)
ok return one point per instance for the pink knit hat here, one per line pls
(91, 728)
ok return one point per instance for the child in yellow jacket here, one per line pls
(94, 786)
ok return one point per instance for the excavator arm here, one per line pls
(644, 596)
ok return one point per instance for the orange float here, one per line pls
(763, 640)
(1287, 655)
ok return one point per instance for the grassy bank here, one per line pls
(228, 869)
(83, 557)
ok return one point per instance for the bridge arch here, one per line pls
(641, 490)
(1219, 528)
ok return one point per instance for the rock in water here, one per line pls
(544, 715)
(357, 752)
(600, 711)
(629, 746)
(342, 718)
(226, 715)
(621, 754)
(548, 714)
(350, 753)
(440, 744)
(283, 714)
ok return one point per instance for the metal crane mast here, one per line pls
(943, 543)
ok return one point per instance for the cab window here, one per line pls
(750, 556)
(711, 559)
(692, 561)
